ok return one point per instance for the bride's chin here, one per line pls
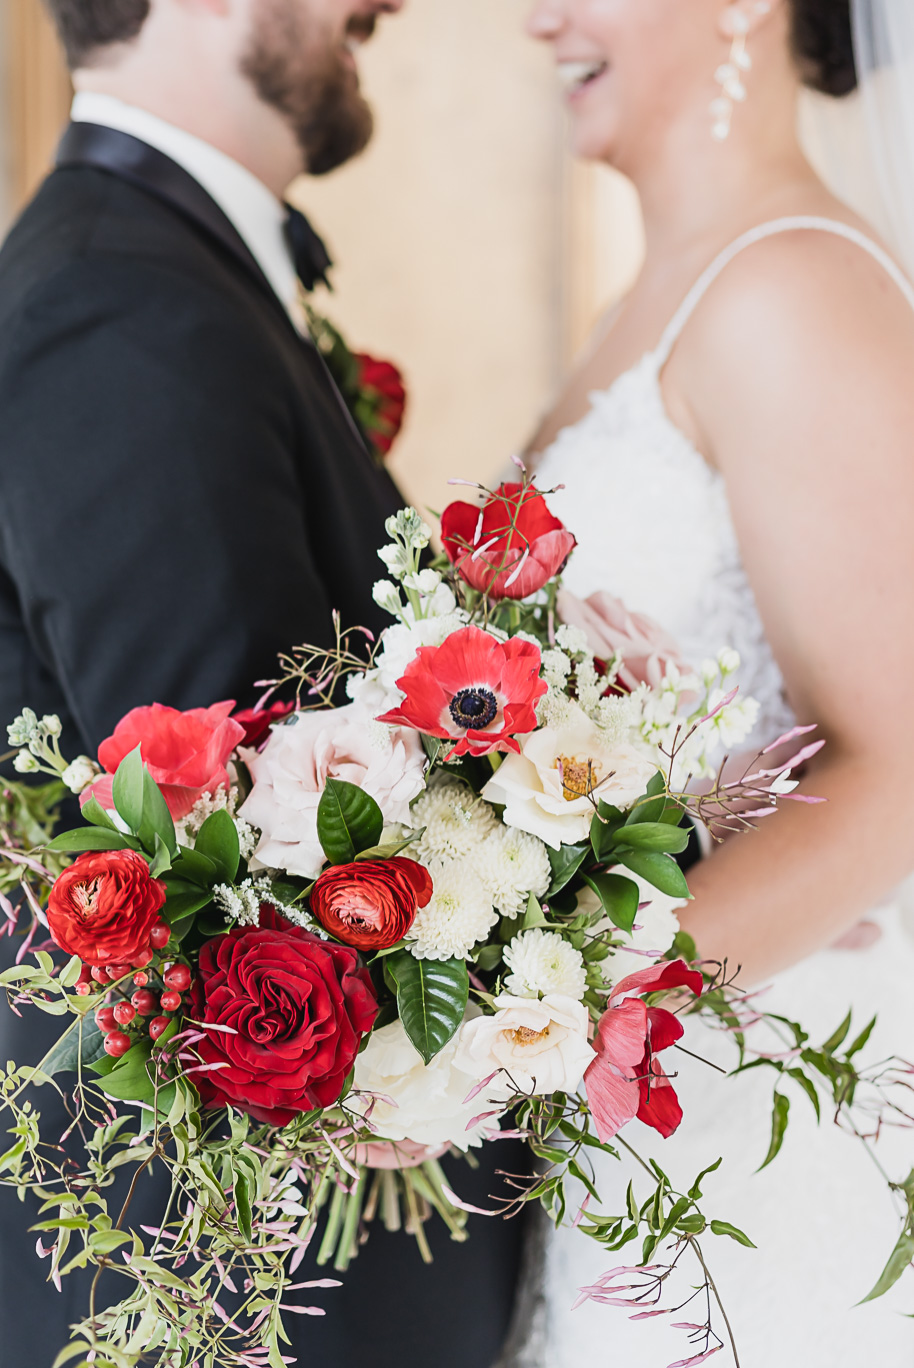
(593, 142)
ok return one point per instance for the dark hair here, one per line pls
(823, 41)
(85, 25)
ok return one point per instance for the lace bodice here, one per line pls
(652, 518)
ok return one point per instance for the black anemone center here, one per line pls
(474, 708)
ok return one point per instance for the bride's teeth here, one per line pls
(575, 74)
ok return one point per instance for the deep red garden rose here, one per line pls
(258, 721)
(185, 752)
(382, 400)
(627, 1079)
(510, 547)
(299, 1007)
(371, 904)
(104, 906)
(474, 689)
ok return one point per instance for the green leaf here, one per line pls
(156, 819)
(391, 848)
(902, 1256)
(620, 898)
(90, 838)
(655, 836)
(348, 821)
(182, 905)
(808, 1087)
(161, 860)
(431, 999)
(197, 867)
(130, 1080)
(839, 1036)
(566, 861)
(218, 841)
(488, 957)
(242, 1195)
(83, 1042)
(862, 1039)
(725, 1228)
(534, 916)
(92, 811)
(658, 870)
(603, 829)
(779, 1120)
(684, 948)
(652, 806)
(128, 790)
(695, 1189)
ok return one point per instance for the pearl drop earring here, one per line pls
(730, 75)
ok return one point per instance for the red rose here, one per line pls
(371, 904)
(258, 721)
(480, 692)
(511, 547)
(299, 1006)
(104, 906)
(383, 399)
(185, 752)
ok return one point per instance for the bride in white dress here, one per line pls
(740, 467)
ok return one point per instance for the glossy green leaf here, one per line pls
(651, 807)
(156, 819)
(565, 862)
(90, 838)
(431, 999)
(128, 790)
(604, 828)
(161, 860)
(348, 821)
(197, 867)
(242, 1195)
(620, 898)
(218, 841)
(660, 871)
(92, 811)
(83, 1041)
(779, 1120)
(669, 840)
(534, 916)
(725, 1228)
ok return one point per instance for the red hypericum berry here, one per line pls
(160, 935)
(146, 1002)
(104, 1019)
(124, 1013)
(171, 1002)
(85, 974)
(100, 976)
(117, 971)
(83, 989)
(117, 1044)
(141, 978)
(143, 959)
(178, 977)
(157, 1026)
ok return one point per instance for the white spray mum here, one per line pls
(543, 962)
(459, 914)
(512, 865)
(455, 821)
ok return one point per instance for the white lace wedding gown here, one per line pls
(654, 527)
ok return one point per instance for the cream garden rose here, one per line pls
(533, 1046)
(551, 788)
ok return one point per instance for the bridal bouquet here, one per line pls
(310, 949)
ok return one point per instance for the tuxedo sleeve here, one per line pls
(153, 499)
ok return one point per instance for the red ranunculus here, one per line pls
(511, 547)
(474, 689)
(258, 721)
(382, 399)
(299, 1007)
(104, 906)
(626, 1079)
(185, 752)
(371, 904)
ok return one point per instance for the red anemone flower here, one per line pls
(511, 547)
(626, 1079)
(480, 692)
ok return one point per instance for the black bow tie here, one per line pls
(312, 260)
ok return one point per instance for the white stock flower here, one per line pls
(25, 763)
(396, 558)
(455, 821)
(541, 1046)
(512, 865)
(408, 526)
(428, 1099)
(387, 596)
(552, 787)
(459, 914)
(656, 927)
(80, 774)
(426, 582)
(736, 722)
(729, 660)
(543, 962)
(378, 687)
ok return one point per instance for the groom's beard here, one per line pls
(313, 87)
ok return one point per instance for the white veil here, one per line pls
(863, 146)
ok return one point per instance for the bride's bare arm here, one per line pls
(800, 379)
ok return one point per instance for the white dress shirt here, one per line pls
(254, 211)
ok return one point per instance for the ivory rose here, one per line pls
(291, 771)
(551, 787)
(541, 1047)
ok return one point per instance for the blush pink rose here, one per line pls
(185, 752)
(646, 650)
(396, 1154)
(292, 770)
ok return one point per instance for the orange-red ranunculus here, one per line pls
(371, 904)
(510, 547)
(104, 906)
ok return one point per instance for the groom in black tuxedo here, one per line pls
(183, 494)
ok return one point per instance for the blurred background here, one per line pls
(468, 248)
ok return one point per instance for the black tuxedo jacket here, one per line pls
(182, 492)
(182, 496)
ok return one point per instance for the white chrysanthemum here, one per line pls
(455, 821)
(512, 865)
(543, 962)
(459, 914)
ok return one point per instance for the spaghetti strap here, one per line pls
(766, 230)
